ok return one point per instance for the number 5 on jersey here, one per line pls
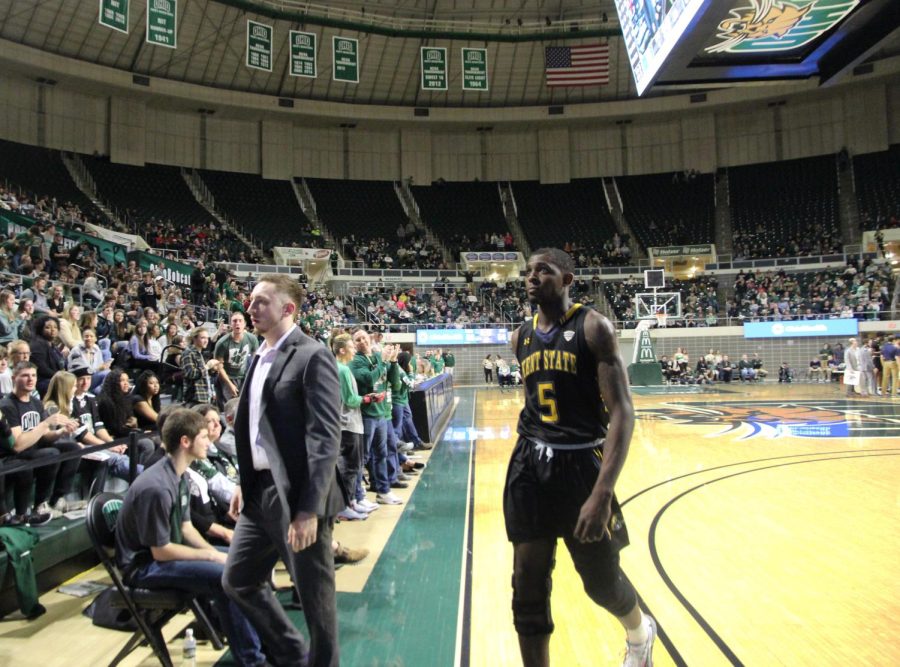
(547, 401)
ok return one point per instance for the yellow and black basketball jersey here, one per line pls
(563, 406)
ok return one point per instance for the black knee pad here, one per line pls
(616, 595)
(531, 610)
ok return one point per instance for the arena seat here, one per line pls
(41, 172)
(267, 209)
(785, 209)
(877, 179)
(573, 213)
(461, 210)
(681, 210)
(366, 209)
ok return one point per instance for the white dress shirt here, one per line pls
(266, 356)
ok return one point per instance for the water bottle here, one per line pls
(189, 649)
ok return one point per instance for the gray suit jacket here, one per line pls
(865, 360)
(300, 427)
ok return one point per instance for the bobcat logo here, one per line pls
(774, 419)
(778, 25)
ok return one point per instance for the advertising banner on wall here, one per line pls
(259, 45)
(683, 250)
(114, 14)
(289, 256)
(130, 241)
(801, 328)
(303, 54)
(162, 16)
(173, 271)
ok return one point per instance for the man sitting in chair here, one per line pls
(156, 545)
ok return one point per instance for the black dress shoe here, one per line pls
(399, 485)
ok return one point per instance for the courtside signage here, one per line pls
(114, 14)
(259, 46)
(801, 328)
(303, 54)
(441, 337)
(162, 16)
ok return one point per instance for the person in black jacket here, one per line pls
(44, 351)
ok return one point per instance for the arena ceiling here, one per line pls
(211, 41)
(212, 34)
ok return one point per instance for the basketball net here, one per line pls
(661, 317)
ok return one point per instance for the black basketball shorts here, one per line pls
(545, 490)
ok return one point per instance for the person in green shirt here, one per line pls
(437, 361)
(449, 362)
(350, 462)
(372, 371)
(402, 419)
(234, 351)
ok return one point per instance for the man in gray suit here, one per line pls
(866, 370)
(287, 436)
(851, 356)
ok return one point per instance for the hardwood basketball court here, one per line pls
(763, 531)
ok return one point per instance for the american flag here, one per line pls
(577, 65)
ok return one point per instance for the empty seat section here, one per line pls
(461, 214)
(366, 209)
(266, 209)
(785, 209)
(40, 172)
(575, 213)
(669, 209)
(148, 194)
(877, 177)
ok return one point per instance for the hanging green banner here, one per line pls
(162, 16)
(345, 59)
(303, 54)
(12, 224)
(474, 69)
(259, 45)
(434, 67)
(173, 271)
(114, 14)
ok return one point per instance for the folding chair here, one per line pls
(151, 608)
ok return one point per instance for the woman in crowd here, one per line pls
(45, 351)
(166, 339)
(10, 322)
(26, 317)
(56, 301)
(120, 334)
(115, 406)
(154, 347)
(141, 356)
(88, 353)
(146, 401)
(70, 326)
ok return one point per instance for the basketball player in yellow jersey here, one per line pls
(574, 433)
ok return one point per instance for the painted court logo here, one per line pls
(774, 419)
(764, 26)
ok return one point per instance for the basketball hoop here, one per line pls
(661, 317)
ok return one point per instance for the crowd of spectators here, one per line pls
(412, 252)
(44, 209)
(860, 290)
(612, 252)
(699, 300)
(208, 242)
(711, 368)
(496, 242)
(817, 240)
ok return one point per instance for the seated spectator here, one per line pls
(88, 353)
(26, 315)
(816, 370)
(704, 371)
(36, 435)
(195, 369)
(146, 401)
(725, 369)
(115, 404)
(85, 410)
(785, 374)
(70, 326)
(757, 364)
(745, 369)
(10, 322)
(6, 384)
(138, 345)
(120, 332)
(157, 546)
(45, 351)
